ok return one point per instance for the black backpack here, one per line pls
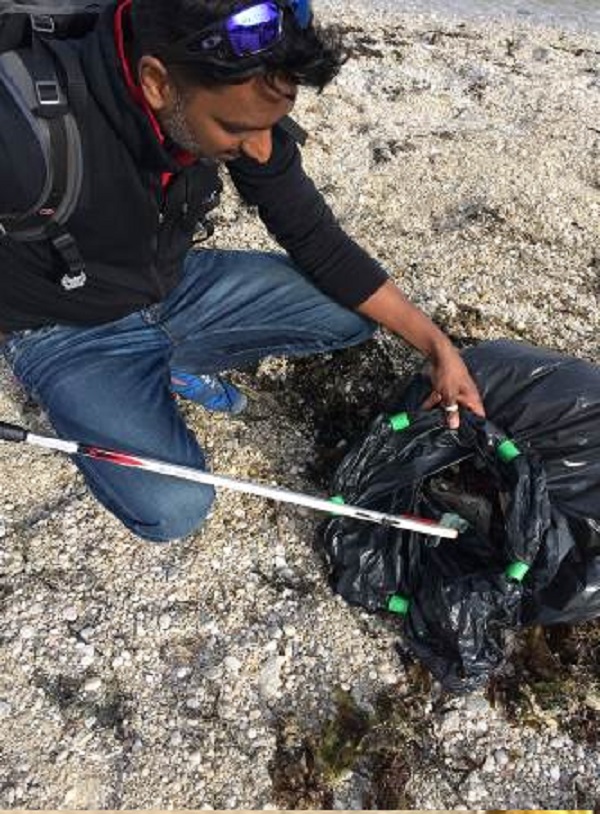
(40, 82)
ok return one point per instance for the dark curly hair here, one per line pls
(311, 56)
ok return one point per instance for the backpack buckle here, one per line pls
(48, 93)
(71, 282)
(42, 23)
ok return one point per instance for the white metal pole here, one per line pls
(273, 493)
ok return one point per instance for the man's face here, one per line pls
(226, 121)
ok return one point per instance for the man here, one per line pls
(175, 88)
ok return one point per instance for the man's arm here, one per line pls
(296, 214)
(452, 383)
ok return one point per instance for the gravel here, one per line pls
(212, 672)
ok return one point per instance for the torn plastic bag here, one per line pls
(526, 498)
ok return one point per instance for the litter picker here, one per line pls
(335, 506)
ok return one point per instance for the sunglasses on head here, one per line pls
(246, 32)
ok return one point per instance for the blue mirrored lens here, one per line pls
(302, 12)
(254, 29)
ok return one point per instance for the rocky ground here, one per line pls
(221, 672)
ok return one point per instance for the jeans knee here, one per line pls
(181, 510)
(356, 329)
(366, 330)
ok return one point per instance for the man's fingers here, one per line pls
(474, 403)
(449, 405)
(433, 400)
(451, 402)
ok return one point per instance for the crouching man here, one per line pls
(175, 90)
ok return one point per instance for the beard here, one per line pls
(176, 127)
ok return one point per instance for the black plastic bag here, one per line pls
(523, 487)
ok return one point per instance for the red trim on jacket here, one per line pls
(181, 156)
(134, 89)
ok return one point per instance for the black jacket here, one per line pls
(132, 234)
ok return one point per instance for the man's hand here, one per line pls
(453, 386)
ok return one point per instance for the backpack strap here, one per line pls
(52, 139)
(51, 101)
(66, 246)
(76, 87)
(52, 135)
(33, 72)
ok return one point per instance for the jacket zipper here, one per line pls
(185, 206)
(162, 204)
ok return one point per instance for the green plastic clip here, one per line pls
(337, 499)
(507, 451)
(400, 422)
(517, 571)
(398, 604)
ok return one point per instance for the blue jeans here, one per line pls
(108, 384)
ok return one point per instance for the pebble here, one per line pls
(270, 677)
(92, 685)
(451, 722)
(213, 673)
(592, 700)
(389, 676)
(5, 709)
(232, 664)
(490, 765)
(70, 614)
(554, 773)
(502, 757)
(476, 792)
(476, 704)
